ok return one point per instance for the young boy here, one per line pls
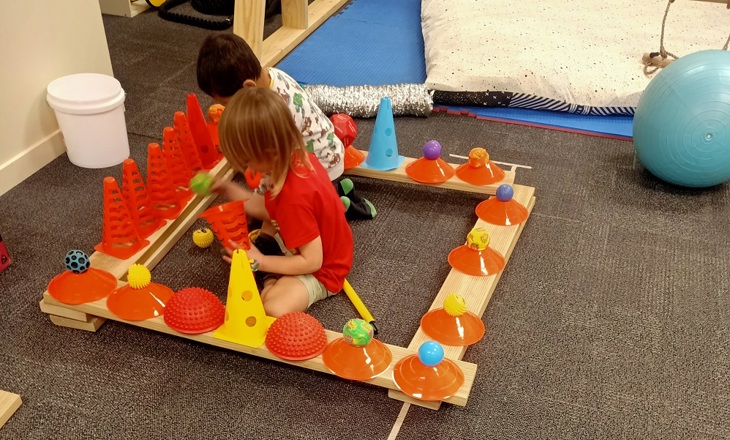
(226, 63)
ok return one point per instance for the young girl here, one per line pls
(257, 131)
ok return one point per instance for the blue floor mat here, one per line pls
(379, 42)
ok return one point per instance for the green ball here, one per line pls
(357, 332)
(201, 183)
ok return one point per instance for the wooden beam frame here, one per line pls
(9, 403)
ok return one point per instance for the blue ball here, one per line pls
(431, 353)
(505, 193)
(77, 261)
(682, 121)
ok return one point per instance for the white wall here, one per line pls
(39, 42)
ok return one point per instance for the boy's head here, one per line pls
(225, 63)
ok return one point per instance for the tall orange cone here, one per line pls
(209, 155)
(120, 238)
(187, 144)
(176, 166)
(138, 201)
(165, 201)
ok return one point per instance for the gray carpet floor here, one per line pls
(610, 320)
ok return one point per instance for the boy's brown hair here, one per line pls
(257, 126)
(225, 61)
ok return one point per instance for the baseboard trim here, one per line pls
(24, 164)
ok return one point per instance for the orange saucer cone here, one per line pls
(81, 283)
(428, 375)
(502, 210)
(187, 144)
(179, 172)
(480, 170)
(164, 197)
(140, 299)
(209, 154)
(346, 131)
(475, 257)
(353, 157)
(430, 168)
(120, 238)
(453, 324)
(138, 201)
(357, 356)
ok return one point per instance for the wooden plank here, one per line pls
(248, 23)
(476, 291)
(399, 175)
(286, 38)
(91, 325)
(98, 308)
(9, 403)
(295, 13)
(63, 312)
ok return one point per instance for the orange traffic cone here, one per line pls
(165, 201)
(138, 201)
(187, 145)
(120, 238)
(179, 171)
(209, 154)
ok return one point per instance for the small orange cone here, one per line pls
(453, 324)
(140, 299)
(502, 210)
(209, 154)
(165, 201)
(480, 170)
(120, 238)
(353, 157)
(187, 144)
(476, 257)
(356, 355)
(176, 166)
(430, 168)
(428, 375)
(138, 201)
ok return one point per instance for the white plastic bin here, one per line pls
(90, 112)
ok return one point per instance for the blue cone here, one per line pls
(383, 153)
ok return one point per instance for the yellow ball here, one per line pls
(203, 238)
(138, 276)
(478, 239)
(454, 305)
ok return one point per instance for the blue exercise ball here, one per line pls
(682, 121)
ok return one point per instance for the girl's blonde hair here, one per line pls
(258, 127)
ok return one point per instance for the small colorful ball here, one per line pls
(138, 276)
(505, 193)
(431, 353)
(357, 332)
(201, 183)
(432, 150)
(454, 305)
(478, 239)
(77, 261)
(203, 238)
(478, 157)
(215, 111)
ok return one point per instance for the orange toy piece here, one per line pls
(229, 223)
(357, 356)
(430, 168)
(120, 238)
(138, 201)
(502, 210)
(141, 299)
(207, 150)
(428, 375)
(176, 166)
(187, 144)
(214, 114)
(194, 310)
(479, 170)
(475, 257)
(253, 179)
(81, 283)
(453, 324)
(165, 201)
(296, 336)
(353, 157)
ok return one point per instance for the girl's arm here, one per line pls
(308, 260)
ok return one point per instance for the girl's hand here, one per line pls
(253, 253)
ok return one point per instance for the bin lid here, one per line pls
(85, 93)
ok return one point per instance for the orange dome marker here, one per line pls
(140, 299)
(430, 168)
(480, 170)
(475, 257)
(296, 336)
(502, 210)
(427, 375)
(453, 324)
(357, 356)
(80, 283)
